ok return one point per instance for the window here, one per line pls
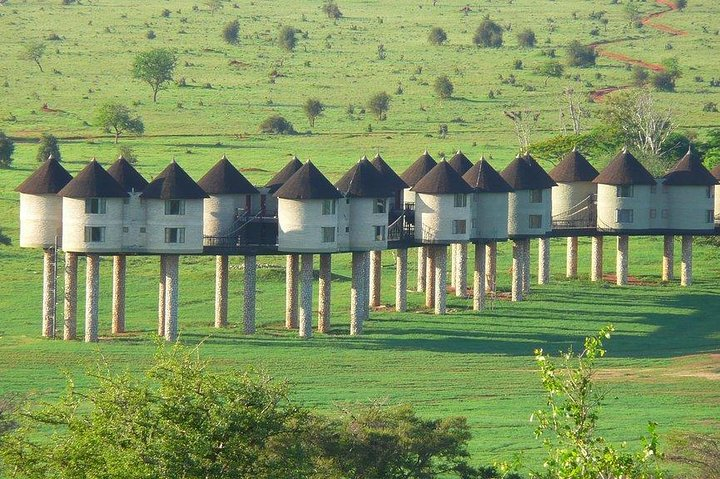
(664, 213)
(174, 235)
(535, 196)
(347, 229)
(328, 207)
(94, 234)
(379, 205)
(459, 227)
(379, 233)
(653, 213)
(460, 200)
(126, 229)
(710, 217)
(175, 207)
(624, 216)
(625, 191)
(710, 192)
(95, 206)
(653, 189)
(143, 229)
(535, 222)
(328, 234)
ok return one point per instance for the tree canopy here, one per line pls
(313, 108)
(48, 147)
(34, 52)
(7, 148)
(155, 67)
(379, 104)
(118, 119)
(488, 34)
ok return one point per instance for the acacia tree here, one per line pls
(155, 67)
(118, 119)
(313, 108)
(34, 52)
(379, 104)
(7, 148)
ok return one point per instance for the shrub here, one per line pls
(551, 68)
(710, 107)
(663, 81)
(518, 64)
(48, 146)
(332, 10)
(580, 55)
(379, 104)
(53, 37)
(128, 153)
(526, 38)
(680, 4)
(7, 147)
(443, 87)
(165, 14)
(150, 35)
(437, 36)
(278, 125)
(640, 76)
(230, 32)
(489, 34)
(287, 38)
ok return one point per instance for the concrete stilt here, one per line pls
(49, 292)
(221, 291)
(461, 270)
(250, 291)
(118, 294)
(401, 280)
(306, 295)
(517, 266)
(668, 270)
(430, 277)
(92, 294)
(161, 298)
(375, 278)
(171, 296)
(421, 268)
(621, 261)
(596, 261)
(356, 294)
(479, 278)
(571, 260)
(544, 261)
(526, 268)
(686, 275)
(292, 272)
(441, 280)
(454, 258)
(366, 287)
(70, 309)
(490, 267)
(325, 278)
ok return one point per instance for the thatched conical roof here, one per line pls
(224, 179)
(574, 167)
(524, 173)
(50, 178)
(283, 175)
(625, 169)
(442, 180)
(308, 183)
(363, 180)
(460, 162)
(388, 173)
(690, 171)
(418, 169)
(128, 177)
(483, 178)
(93, 182)
(173, 183)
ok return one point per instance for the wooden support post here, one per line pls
(325, 278)
(221, 291)
(686, 274)
(596, 263)
(161, 298)
(517, 266)
(49, 292)
(172, 268)
(479, 278)
(375, 278)
(621, 261)
(571, 260)
(491, 267)
(461, 270)
(668, 270)
(421, 268)
(92, 294)
(292, 272)
(401, 279)
(306, 295)
(544, 261)
(118, 294)
(440, 257)
(430, 277)
(71, 284)
(249, 293)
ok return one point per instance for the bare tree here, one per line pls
(525, 123)
(576, 112)
(653, 125)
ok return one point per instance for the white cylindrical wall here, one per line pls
(489, 213)
(191, 221)
(565, 196)
(40, 220)
(75, 220)
(689, 208)
(435, 216)
(300, 226)
(134, 223)
(520, 211)
(219, 213)
(608, 205)
(362, 223)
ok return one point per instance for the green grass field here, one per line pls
(664, 362)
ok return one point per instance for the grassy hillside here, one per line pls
(663, 363)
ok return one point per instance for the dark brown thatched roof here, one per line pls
(173, 184)
(50, 178)
(460, 162)
(573, 167)
(524, 173)
(396, 183)
(93, 182)
(363, 180)
(308, 183)
(625, 169)
(283, 175)
(225, 179)
(127, 176)
(417, 170)
(483, 178)
(716, 172)
(442, 180)
(690, 171)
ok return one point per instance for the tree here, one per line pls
(379, 104)
(178, 420)
(665, 80)
(7, 148)
(287, 38)
(489, 34)
(313, 108)
(230, 32)
(701, 451)
(213, 5)
(437, 36)
(331, 9)
(550, 68)
(128, 153)
(48, 147)
(34, 52)
(278, 125)
(579, 55)
(155, 67)
(680, 4)
(118, 119)
(525, 123)
(568, 422)
(640, 76)
(575, 110)
(526, 38)
(443, 87)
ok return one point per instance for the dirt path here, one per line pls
(649, 21)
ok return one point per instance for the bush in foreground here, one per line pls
(278, 125)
